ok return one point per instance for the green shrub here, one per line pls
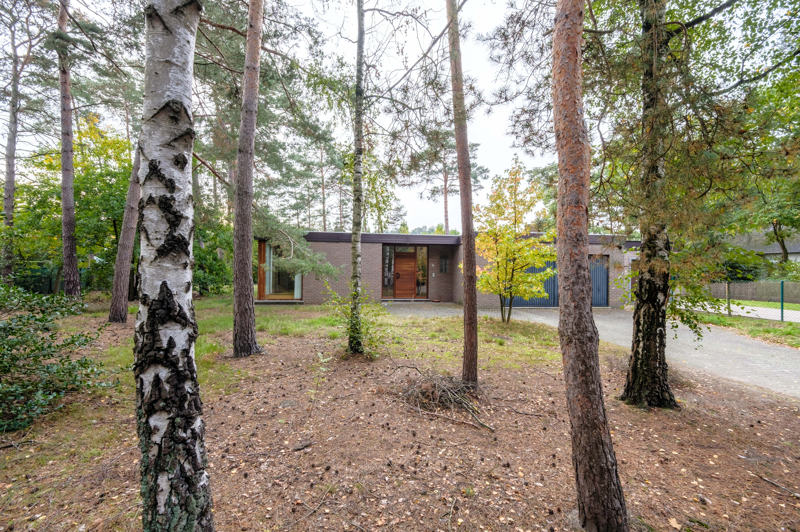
(36, 368)
(374, 335)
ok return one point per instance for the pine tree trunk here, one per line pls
(244, 315)
(11, 163)
(197, 194)
(175, 483)
(355, 342)
(601, 505)
(72, 278)
(216, 197)
(446, 210)
(469, 370)
(122, 265)
(647, 383)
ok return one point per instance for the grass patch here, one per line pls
(506, 345)
(762, 304)
(779, 332)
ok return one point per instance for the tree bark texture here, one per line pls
(355, 340)
(127, 238)
(646, 382)
(175, 484)
(322, 180)
(446, 208)
(601, 505)
(72, 277)
(244, 314)
(11, 161)
(469, 370)
(776, 230)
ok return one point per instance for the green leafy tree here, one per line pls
(504, 240)
(102, 173)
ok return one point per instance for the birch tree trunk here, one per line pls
(244, 314)
(322, 178)
(779, 238)
(601, 505)
(469, 370)
(127, 237)
(175, 485)
(646, 382)
(355, 343)
(11, 160)
(72, 278)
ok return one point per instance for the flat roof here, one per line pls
(386, 238)
(441, 240)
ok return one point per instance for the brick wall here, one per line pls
(440, 285)
(445, 287)
(338, 254)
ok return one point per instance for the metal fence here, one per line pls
(768, 300)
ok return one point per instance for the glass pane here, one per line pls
(388, 272)
(405, 249)
(280, 285)
(422, 272)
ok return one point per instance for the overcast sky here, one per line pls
(496, 150)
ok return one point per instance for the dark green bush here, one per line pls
(36, 366)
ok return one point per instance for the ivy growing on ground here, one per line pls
(36, 364)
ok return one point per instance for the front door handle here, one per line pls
(397, 275)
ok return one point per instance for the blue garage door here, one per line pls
(598, 265)
(550, 286)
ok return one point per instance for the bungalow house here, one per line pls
(758, 242)
(408, 267)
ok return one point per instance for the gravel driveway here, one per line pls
(720, 352)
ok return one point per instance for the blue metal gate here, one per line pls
(550, 286)
(598, 267)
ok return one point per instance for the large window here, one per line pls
(404, 272)
(275, 284)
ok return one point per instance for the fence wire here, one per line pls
(766, 300)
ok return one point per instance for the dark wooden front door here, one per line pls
(405, 275)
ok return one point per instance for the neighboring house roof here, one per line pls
(758, 242)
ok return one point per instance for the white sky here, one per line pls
(496, 152)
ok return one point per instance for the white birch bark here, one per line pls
(175, 488)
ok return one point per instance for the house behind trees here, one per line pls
(414, 267)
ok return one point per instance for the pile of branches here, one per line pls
(431, 392)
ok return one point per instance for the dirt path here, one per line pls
(721, 352)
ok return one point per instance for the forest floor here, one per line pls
(301, 439)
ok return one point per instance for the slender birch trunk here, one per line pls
(11, 161)
(322, 177)
(244, 315)
(72, 278)
(646, 382)
(127, 238)
(601, 505)
(175, 485)
(446, 194)
(355, 342)
(469, 371)
(776, 230)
